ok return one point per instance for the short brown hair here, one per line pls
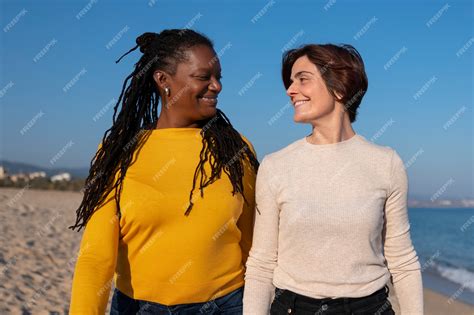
(341, 67)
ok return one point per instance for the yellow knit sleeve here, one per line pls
(246, 220)
(96, 260)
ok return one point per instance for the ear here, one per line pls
(162, 79)
(338, 96)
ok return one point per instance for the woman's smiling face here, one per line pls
(195, 85)
(308, 92)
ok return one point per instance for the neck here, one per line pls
(333, 129)
(169, 121)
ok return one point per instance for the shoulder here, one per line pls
(285, 154)
(378, 151)
(384, 158)
(250, 145)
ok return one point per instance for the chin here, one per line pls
(301, 118)
(209, 112)
(309, 116)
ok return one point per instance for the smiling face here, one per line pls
(194, 86)
(308, 92)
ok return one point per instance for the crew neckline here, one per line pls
(175, 132)
(335, 145)
(175, 129)
(170, 129)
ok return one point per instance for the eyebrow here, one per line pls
(206, 70)
(300, 73)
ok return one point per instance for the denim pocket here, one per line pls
(231, 303)
(122, 304)
(380, 308)
(277, 308)
(278, 293)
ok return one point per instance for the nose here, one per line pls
(215, 86)
(291, 91)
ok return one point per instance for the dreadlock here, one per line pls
(223, 147)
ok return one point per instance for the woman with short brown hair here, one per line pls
(332, 227)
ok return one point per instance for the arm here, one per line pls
(259, 288)
(402, 260)
(246, 219)
(96, 260)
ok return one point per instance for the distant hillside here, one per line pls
(16, 167)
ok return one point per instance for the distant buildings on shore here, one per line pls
(441, 203)
(33, 175)
(61, 177)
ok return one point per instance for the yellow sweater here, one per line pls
(155, 252)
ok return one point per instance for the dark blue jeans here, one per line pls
(287, 302)
(230, 304)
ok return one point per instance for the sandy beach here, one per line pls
(38, 251)
(38, 254)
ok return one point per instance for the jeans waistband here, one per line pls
(295, 298)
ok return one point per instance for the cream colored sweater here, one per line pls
(333, 223)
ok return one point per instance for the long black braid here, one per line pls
(223, 147)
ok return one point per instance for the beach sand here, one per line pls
(37, 250)
(38, 254)
(437, 304)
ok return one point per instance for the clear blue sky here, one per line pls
(430, 61)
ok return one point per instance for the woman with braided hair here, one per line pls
(167, 248)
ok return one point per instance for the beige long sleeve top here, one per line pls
(333, 223)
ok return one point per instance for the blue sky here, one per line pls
(419, 104)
